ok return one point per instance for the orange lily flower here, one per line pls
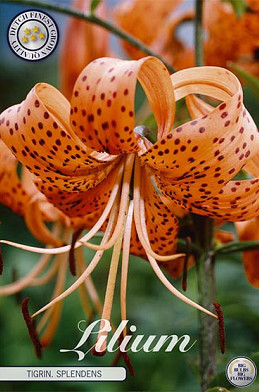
(88, 155)
(83, 43)
(240, 36)
(249, 231)
(134, 16)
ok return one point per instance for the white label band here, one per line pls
(62, 373)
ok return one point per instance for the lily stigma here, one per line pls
(94, 167)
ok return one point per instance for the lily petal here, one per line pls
(248, 231)
(38, 130)
(39, 134)
(102, 104)
(12, 193)
(200, 153)
(236, 201)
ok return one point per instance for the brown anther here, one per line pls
(98, 353)
(72, 260)
(31, 328)
(125, 358)
(222, 337)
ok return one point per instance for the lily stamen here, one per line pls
(123, 205)
(88, 283)
(34, 222)
(27, 280)
(125, 262)
(32, 279)
(108, 301)
(153, 263)
(90, 267)
(139, 217)
(47, 276)
(56, 310)
(86, 237)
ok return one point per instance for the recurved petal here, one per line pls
(162, 224)
(79, 201)
(236, 201)
(162, 227)
(12, 193)
(102, 112)
(194, 161)
(38, 133)
(249, 231)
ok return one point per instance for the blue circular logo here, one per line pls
(33, 35)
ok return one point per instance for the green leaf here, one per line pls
(239, 6)
(94, 5)
(251, 81)
(238, 247)
(218, 389)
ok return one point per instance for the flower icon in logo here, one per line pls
(33, 35)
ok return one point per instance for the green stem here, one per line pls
(198, 33)
(204, 227)
(93, 19)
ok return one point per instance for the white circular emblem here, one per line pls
(241, 372)
(33, 35)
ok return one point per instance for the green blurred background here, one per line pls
(150, 306)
